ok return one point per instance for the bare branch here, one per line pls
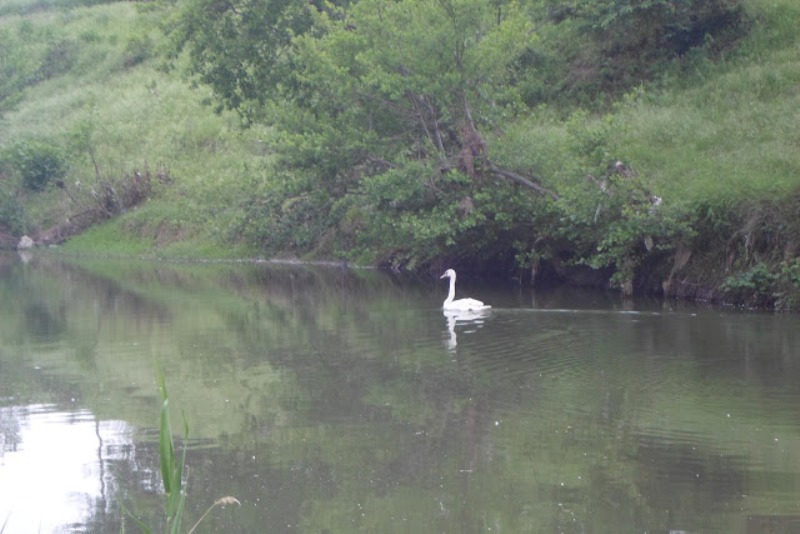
(380, 162)
(419, 102)
(510, 175)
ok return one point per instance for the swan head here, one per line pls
(449, 273)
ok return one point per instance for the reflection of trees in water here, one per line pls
(42, 321)
(373, 408)
(702, 478)
(304, 321)
(402, 418)
(272, 494)
(357, 410)
(758, 349)
(52, 293)
(107, 295)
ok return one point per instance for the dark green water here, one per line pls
(328, 400)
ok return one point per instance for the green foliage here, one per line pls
(591, 53)
(664, 27)
(761, 285)
(37, 163)
(25, 7)
(138, 50)
(12, 213)
(633, 38)
(607, 212)
(752, 287)
(385, 135)
(787, 282)
(59, 58)
(240, 49)
(396, 131)
(283, 216)
(386, 126)
(416, 221)
(171, 468)
(15, 69)
(28, 57)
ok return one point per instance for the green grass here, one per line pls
(134, 117)
(733, 132)
(111, 239)
(153, 232)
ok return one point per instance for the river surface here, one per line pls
(333, 400)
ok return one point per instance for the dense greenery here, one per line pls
(610, 139)
(37, 164)
(389, 115)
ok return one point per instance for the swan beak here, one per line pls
(443, 276)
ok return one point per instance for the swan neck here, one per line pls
(452, 293)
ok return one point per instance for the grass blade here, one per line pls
(166, 449)
(143, 527)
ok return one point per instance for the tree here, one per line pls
(386, 113)
(241, 48)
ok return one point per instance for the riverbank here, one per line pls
(686, 184)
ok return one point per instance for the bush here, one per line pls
(777, 286)
(12, 214)
(23, 8)
(12, 75)
(621, 43)
(37, 164)
(138, 50)
(60, 57)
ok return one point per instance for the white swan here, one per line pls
(460, 304)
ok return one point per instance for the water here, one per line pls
(328, 400)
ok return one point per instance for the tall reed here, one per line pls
(173, 475)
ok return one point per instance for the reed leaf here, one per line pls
(139, 523)
(166, 449)
(172, 474)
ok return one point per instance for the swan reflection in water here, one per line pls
(471, 319)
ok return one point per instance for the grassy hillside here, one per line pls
(110, 101)
(730, 129)
(717, 136)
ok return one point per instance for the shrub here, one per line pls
(787, 280)
(59, 59)
(37, 164)
(12, 214)
(761, 285)
(13, 70)
(137, 50)
(623, 42)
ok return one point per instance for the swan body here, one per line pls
(461, 304)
